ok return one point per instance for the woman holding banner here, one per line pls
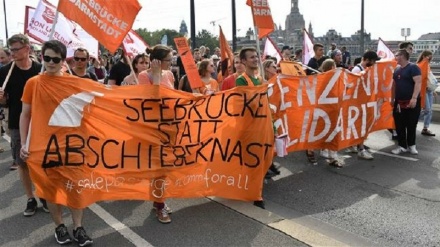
(206, 68)
(141, 62)
(328, 65)
(270, 69)
(159, 74)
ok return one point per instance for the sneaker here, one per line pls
(62, 236)
(163, 216)
(274, 169)
(165, 206)
(31, 207)
(427, 132)
(364, 154)
(45, 208)
(13, 167)
(259, 204)
(352, 149)
(81, 237)
(324, 153)
(269, 174)
(399, 150)
(412, 149)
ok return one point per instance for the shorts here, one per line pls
(16, 147)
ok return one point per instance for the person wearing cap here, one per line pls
(286, 53)
(368, 59)
(332, 49)
(215, 60)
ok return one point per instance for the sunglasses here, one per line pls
(83, 59)
(16, 49)
(47, 59)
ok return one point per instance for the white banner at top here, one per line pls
(39, 25)
(133, 44)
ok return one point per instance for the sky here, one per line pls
(383, 19)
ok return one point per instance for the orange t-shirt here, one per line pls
(30, 87)
(211, 85)
(166, 81)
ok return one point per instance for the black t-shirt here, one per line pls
(118, 72)
(181, 68)
(88, 75)
(315, 64)
(14, 89)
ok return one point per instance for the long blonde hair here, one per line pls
(327, 65)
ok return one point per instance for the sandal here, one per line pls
(335, 163)
(311, 157)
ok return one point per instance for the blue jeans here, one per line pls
(427, 112)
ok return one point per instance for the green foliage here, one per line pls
(207, 39)
(154, 38)
(203, 37)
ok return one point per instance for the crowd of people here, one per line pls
(161, 65)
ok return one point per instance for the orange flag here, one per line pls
(424, 68)
(332, 110)
(291, 68)
(262, 17)
(89, 142)
(188, 62)
(226, 54)
(107, 21)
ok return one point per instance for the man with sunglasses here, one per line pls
(24, 69)
(81, 60)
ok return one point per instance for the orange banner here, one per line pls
(188, 62)
(226, 54)
(90, 142)
(424, 69)
(332, 110)
(291, 68)
(107, 21)
(262, 17)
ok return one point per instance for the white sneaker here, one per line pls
(413, 150)
(352, 149)
(364, 154)
(399, 150)
(324, 153)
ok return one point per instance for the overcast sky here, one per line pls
(382, 18)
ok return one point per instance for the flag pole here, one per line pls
(260, 62)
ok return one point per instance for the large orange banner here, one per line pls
(107, 21)
(90, 142)
(332, 110)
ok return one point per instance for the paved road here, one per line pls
(390, 201)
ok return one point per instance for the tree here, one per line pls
(154, 38)
(207, 39)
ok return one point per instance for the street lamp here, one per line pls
(405, 32)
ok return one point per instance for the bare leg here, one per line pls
(77, 215)
(26, 180)
(55, 211)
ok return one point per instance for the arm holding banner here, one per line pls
(156, 71)
(25, 119)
